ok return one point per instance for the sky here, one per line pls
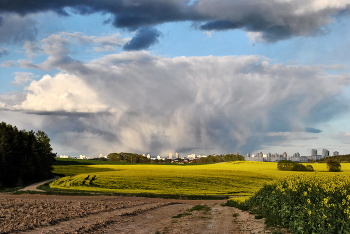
(165, 76)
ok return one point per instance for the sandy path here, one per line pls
(33, 187)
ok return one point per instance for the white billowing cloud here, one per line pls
(9, 100)
(137, 102)
(63, 92)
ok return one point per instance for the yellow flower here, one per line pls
(325, 200)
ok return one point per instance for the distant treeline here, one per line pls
(128, 157)
(340, 159)
(24, 156)
(219, 158)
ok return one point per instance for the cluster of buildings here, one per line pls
(172, 156)
(295, 158)
(175, 157)
(81, 156)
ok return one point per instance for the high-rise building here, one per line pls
(314, 152)
(335, 153)
(284, 154)
(191, 156)
(247, 155)
(170, 155)
(325, 153)
(177, 155)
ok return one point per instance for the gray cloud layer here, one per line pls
(265, 20)
(137, 102)
(14, 28)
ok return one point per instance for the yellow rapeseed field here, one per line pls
(237, 178)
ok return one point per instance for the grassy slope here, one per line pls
(234, 178)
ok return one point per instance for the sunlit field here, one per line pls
(233, 178)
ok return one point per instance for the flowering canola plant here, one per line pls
(306, 204)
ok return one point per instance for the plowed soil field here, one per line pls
(41, 214)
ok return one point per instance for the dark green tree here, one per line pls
(127, 157)
(24, 156)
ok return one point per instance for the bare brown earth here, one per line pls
(115, 214)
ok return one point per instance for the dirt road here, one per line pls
(112, 214)
(33, 187)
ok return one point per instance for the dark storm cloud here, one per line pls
(312, 130)
(3, 52)
(128, 14)
(220, 25)
(144, 38)
(270, 20)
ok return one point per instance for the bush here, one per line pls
(287, 165)
(333, 166)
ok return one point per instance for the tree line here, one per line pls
(25, 156)
(219, 158)
(128, 157)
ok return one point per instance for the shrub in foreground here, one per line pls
(304, 204)
(333, 166)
